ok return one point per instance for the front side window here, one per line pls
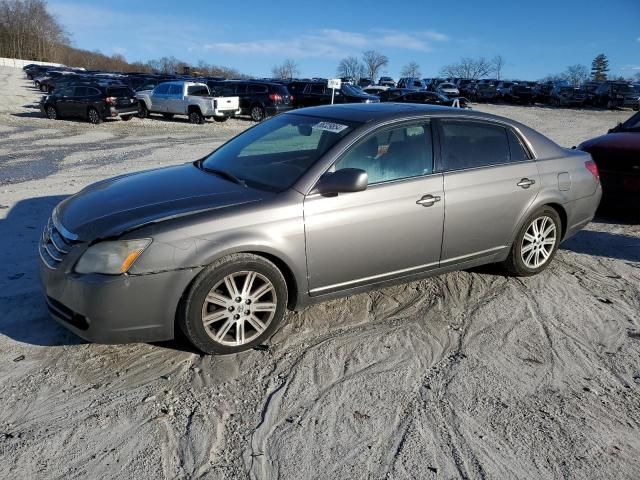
(468, 144)
(391, 154)
(274, 154)
(161, 89)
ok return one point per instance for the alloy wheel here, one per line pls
(51, 113)
(538, 242)
(257, 114)
(94, 117)
(239, 308)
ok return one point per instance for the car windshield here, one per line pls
(350, 90)
(447, 85)
(274, 154)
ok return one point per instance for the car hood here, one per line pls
(620, 141)
(111, 207)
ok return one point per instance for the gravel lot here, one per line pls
(468, 375)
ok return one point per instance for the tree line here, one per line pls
(29, 32)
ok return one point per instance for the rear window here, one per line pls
(119, 92)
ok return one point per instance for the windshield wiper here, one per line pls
(222, 173)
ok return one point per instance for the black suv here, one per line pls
(92, 101)
(311, 94)
(615, 94)
(259, 99)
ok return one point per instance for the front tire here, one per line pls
(143, 111)
(52, 113)
(234, 304)
(536, 243)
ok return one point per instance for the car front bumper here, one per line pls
(114, 308)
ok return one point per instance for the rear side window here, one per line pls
(473, 144)
(198, 90)
(80, 92)
(175, 89)
(517, 150)
(254, 88)
(93, 92)
(316, 88)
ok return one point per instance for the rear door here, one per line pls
(490, 181)
(65, 103)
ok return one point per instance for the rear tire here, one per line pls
(536, 243)
(257, 113)
(196, 117)
(234, 304)
(93, 116)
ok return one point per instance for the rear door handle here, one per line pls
(428, 200)
(525, 183)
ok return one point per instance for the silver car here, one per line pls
(310, 205)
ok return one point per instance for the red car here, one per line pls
(617, 155)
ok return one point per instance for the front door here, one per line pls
(393, 228)
(490, 181)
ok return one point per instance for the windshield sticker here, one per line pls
(329, 127)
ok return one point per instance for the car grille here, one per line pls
(53, 246)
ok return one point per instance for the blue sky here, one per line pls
(536, 37)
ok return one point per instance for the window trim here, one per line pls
(426, 121)
(494, 122)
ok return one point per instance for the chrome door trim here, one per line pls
(470, 256)
(373, 277)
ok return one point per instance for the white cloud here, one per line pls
(331, 43)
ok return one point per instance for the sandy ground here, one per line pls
(468, 375)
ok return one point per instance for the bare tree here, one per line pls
(373, 62)
(576, 74)
(411, 69)
(351, 67)
(497, 64)
(468, 68)
(288, 69)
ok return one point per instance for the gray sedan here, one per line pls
(310, 205)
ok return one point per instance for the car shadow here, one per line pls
(605, 244)
(24, 314)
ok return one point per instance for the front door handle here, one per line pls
(428, 200)
(525, 183)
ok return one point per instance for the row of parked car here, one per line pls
(606, 94)
(96, 95)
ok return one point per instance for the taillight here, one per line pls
(275, 97)
(593, 168)
(291, 98)
(110, 100)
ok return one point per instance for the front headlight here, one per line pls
(112, 257)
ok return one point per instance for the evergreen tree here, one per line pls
(600, 67)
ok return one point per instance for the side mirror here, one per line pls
(345, 180)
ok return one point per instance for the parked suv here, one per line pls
(92, 101)
(258, 99)
(519, 93)
(386, 82)
(483, 92)
(310, 94)
(411, 83)
(567, 96)
(615, 94)
(186, 98)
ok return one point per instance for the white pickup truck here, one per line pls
(186, 98)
